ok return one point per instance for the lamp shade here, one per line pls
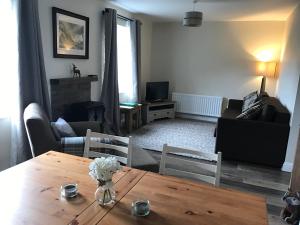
(193, 19)
(266, 69)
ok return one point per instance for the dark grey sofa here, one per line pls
(259, 140)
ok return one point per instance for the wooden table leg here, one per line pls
(140, 117)
(130, 121)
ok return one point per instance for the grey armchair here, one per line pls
(41, 136)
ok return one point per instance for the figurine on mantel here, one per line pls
(76, 71)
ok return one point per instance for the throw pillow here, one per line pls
(251, 113)
(249, 100)
(260, 102)
(64, 129)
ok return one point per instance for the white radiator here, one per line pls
(198, 104)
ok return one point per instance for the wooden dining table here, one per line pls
(30, 194)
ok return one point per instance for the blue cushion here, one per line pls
(64, 129)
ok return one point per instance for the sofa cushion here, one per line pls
(251, 113)
(64, 129)
(230, 113)
(262, 96)
(282, 114)
(249, 100)
(268, 113)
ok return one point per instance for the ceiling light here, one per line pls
(193, 18)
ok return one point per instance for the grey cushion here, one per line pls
(249, 100)
(251, 113)
(64, 129)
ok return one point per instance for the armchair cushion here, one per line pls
(80, 128)
(63, 128)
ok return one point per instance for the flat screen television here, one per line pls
(157, 91)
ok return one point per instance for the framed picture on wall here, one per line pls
(70, 35)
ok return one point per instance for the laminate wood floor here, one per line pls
(268, 182)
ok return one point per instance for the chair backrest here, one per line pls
(206, 166)
(96, 141)
(39, 131)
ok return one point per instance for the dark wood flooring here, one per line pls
(259, 180)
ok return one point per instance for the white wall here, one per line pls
(57, 67)
(5, 145)
(217, 58)
(288, 84)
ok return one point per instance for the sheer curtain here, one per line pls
(126, 81)
(135, 30)
(9, 66)
(129, 60)
(23, 77)
(8, 58)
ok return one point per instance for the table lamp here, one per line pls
(265, 69)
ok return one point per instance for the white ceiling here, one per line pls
(214, 10)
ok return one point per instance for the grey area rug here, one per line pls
(184, 133)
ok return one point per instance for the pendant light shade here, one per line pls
(193, 19)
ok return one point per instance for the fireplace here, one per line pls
(71, 100)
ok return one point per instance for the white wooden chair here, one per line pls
(207, 171)
(95, 141)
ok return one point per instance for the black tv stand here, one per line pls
(158, 110)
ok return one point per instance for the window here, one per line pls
(126, 72)
(8, 58)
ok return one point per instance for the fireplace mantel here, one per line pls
(68, 80)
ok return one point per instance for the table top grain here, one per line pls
(30, 194)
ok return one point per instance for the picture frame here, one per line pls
(70, 34)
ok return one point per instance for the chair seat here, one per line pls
(141, 159)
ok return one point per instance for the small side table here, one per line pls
(131, 113)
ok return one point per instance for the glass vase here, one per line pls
(105, 193)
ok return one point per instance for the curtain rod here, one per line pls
(124, 18)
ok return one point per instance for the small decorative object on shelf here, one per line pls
(141, 208)
(76, 72)
(69, 190)
(102, 170)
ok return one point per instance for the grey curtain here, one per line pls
(110, 89)
(32, 76)
(135, 28)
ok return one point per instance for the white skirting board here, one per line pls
(287, 167)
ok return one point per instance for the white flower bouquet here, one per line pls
(102, 170)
